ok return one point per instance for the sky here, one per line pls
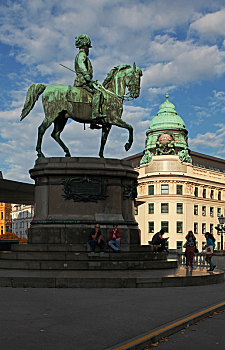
(178, 44)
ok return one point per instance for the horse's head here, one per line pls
(124, 76)
(133, 80)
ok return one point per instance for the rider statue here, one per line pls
(84, 78)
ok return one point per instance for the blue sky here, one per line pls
(179, 45)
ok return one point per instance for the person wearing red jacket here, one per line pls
(115, 241)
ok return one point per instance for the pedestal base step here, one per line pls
(179, 277)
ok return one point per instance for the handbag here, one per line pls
(209, 251)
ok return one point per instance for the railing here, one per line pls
(199, 259)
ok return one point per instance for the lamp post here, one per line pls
(222, 222)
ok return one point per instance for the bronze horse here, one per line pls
(61, 102)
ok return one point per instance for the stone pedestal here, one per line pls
(73, 194)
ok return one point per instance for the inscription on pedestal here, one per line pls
(84, 189)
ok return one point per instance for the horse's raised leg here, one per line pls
(41, 130)
(105, 132)
(59, 125)
(122, 124)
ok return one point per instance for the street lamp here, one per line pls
(221, 228)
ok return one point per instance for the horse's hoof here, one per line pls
(67, 155)
(127, 146)
(101, 156)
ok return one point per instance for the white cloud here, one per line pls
(196, 62)
(209, 139)
(210, 26)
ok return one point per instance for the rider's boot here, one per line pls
(97, 116)
(94, 125)
(97, 119)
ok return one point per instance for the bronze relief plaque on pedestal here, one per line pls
(84, 189)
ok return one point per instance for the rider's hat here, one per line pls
(82, 40)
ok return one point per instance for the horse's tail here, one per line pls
(35, 90)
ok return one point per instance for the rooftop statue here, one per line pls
(88, 101)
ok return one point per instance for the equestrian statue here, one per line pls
(88, 101)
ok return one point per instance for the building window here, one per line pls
(211, 211)
(1, 230)
(164, 207)
(179, 189)
(135, 210)
(179, 227)
(2, 215)
(195, 227)
(196, 192)
(179, 245)
(211, 229)
(204, 193)
(203, 228)
(212, 194)
(218, 211)
(150, 190)
(195, 209)
(179, 208)
(203, 210)
(165, 226)
(151, 208)
(219, 195)
(151, 226)
(164, 189)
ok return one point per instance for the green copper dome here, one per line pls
(166, 135)
(166, 118)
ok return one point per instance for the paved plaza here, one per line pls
(93, 319)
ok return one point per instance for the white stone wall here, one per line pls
(22, 215)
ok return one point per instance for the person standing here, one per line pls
(190, 246)
(114, 239)
(209, 249)
(95, 238)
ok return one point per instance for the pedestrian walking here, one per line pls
(209, 249)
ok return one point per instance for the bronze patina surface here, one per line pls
(100, 105)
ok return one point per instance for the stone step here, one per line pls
(112, 256)
(179, 277)
(93, 264)
(32, 247)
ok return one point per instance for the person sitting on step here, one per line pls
(115, 240)
(160, 241)
(95, 238)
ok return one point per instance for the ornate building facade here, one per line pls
(5, 218)
(179, 190)
(22, 215)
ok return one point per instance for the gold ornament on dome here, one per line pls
(165, 139)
